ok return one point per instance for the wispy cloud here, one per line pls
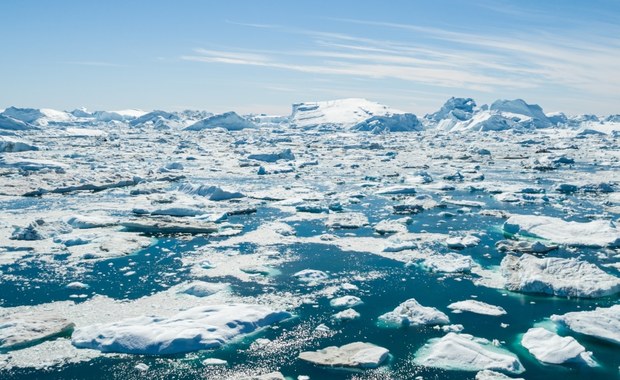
(447, 58)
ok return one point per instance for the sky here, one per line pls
(261, 56)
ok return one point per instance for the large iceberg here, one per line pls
(199, 328)
(601, 323)
(353, 114)
(557, 276)
(597, 233)
(464, 352)
(229, 120)
(548, 347)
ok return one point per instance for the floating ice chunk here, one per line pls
(142, 367)
(229, 121)
(9, 144)
(411, 313)
(557, 276)
(199, 328)
(346, 301)
(448, 263)
(311, 276)
(213, 193)
(340, 113)
(464, 352)
(551, 348)
(390, 226)
(524, 246)
(492, 375)
(478, 307)
(202, 288)
(40, 229)
(357, 354)
(346, 315)
(348, 220)
(77, 285)
(601, 323)
(89, 221)
(170, 226)
(397, 190)
(214, 361)
(285, 155)
(457, 242)
(597, 233)
(26, 330)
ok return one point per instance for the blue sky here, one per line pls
(261, 56)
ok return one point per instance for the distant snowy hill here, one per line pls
(229, 120)
(354, 114)
(461, 114)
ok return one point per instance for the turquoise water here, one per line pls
(390, 284)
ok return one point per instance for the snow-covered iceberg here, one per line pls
(602, 323)
(357, 354)
(463, 352)
(199, 328)
(557, 276)
(411, 313)
(597, 233)
(229, 121)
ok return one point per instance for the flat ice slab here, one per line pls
(463, 352)
(195, 329)
(358, 354)
(597, 233)
(557, 276)
(548, 347)
(478, 307)
(602, 323)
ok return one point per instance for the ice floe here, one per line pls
(463, 352)
(357, 354)
(557, 276)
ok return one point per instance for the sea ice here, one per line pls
(199, 328)
(464, 352)
(411, 313)
(557, 276)
(478, 307)
(549, 347)
(357, 354)
(602, 323)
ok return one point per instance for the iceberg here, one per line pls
(602, 323)
(411, 313)
(199, 328)
(597, 233)
(464, 352)
(551, 348)
(478, 307)
(357, 354)
(229, 121)
(557, 276)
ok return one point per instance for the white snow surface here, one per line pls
(411, 313)
(477, 307)
(344, 113)
(198, 328)
(357, 354)
(548, 347)
(601, 323)
(464, 352)
(557, 276)
(597, 233)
